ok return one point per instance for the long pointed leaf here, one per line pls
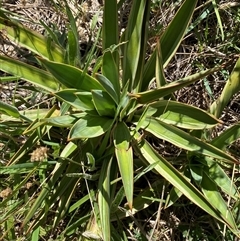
(184, 140)
(231, 88)
(165, 169)
(212, 194)
(104, 198)
(123, 151)
(30, 73)
(31, 40)
(71, 77)
(227, 137)
(152, 95)
(181, 115)
(170, 39)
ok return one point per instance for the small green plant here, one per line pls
(106, 122)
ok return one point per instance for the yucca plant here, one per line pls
(111, 117)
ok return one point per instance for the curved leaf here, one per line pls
(104, 198)
(227, 137)
(71, 77)
(170, 40)
(103, 103)
(89, 127)
(9, 109)
(30, 73)
(110, 70)
(31, 40)
(231, 87)
(183, 140)
(152, 95)
(79, 100)
(110, 88)
(213, 195)
(214, 171)
(165, 169)
(181, 115)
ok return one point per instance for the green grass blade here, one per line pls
(123, 151)
(212, 194)
(9, 109)
(73, 39)
(45, 191)
(214, 171)
(160, 76)
(218, 18)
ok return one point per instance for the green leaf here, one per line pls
(165, 169)
(124, 154)
(231, 87)
(27, 115)
(152, 95)
(71, 77)
(213, 195)
(89, 127)
(172, 36)
(218, 18)
(62, 121)
(30, 73)
(104, 198)
(181, 115)
(73, 38)
(135, 49)
(214, 171)
(110, 24)
(45, 191)
(110, 71)
(140, 202)
(183, 140)
(9, 109)
(31, 40)
(172, 197)
(227, 137)
(72, 49)
(170, 39)
(103, 103)
(79, 100)
(160, 76)
(86, 100)
(110, 87)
